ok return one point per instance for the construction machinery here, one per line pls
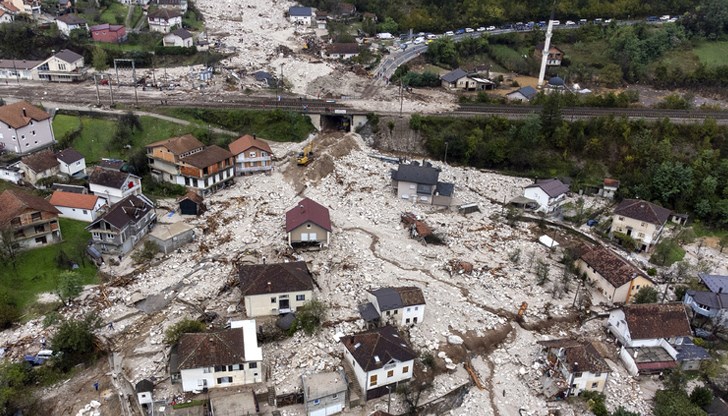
(306, 156)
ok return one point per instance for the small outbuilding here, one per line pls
(170, 237)
(191, 204)
(144, 390)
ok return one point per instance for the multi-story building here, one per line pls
(640, 220)
(577, 366)
(251, 155)
(24, 128)
(32, 220)
(118, 230)
(114, 185)
(64, 66)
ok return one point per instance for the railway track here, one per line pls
(588, 112)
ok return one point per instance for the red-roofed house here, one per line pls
(615, 277)
(108, 33)
(24, 128)
(308, 224)
(81, 207)
(251, 155)
(32, 220)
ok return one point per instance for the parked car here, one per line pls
(469, 30)
(489, 28)
(40, 358)
(570, 23)
(419, 40)
(653, 19)
(460, 31)
(480, 29)
(431, 36)
(583, 21)
(608, 21)
(449, 33)
(665, 17)
(598, 21)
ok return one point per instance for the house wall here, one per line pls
(622, 294)
(174, 40)
(361, 375)
(516, 96)
(73, 168)
(304, 20)
(441, 200)
(29, 229)
(80, 214)
(33, 177)
(113, 241)
(164, 26)
(546, 203)
(17, 73)
(408, 190)
(207, 183)
(264, 305)
(194, 379)
(466, 83)
(252, 160)
(27, 139)
(307, 228)
(114, 195)
(11, 175)
(628, 362)
(589, 381)
(644, 233)
(698, 308)
(332, 401)
(173, 243)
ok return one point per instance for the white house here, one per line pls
(647, 335)
(523, 94)
(65, 66)
(24, 128)
(609, 188)
(251, 155)
(277, 288)
(11, 173)
(420, 183)
(71, 162)
(39, 165)
(17, 70)
(179, 37)
(380, 360)
(69, 22)
(578, 364)
(710, 305)
(340, 50)
(397, 305)
(324, 393)
(144, 389)
(5, 17)
(616, 278)
(640, 220)
(163, 20)
(114, 185)
(549, 193)
(81, 207)
(219, 359)
(300, 15)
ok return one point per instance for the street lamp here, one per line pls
(445, 159)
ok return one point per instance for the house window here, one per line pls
(273, 300)
(300, 298)
(407, 321)
(33, 132)
(252, 154)
(373, 380)
(308, 226)
(316, 401)
(224, 380)
(594, 385)
(405, 369)
(35, 216)
(252, 365)
(577, 375)
(597, 374)
(388, 313)
(414, 319)
(637, 287)
(621, 218)
(335, 395)
(237, 367)
(390, 373)
(409, 309)
(207, 370)
(417, 307)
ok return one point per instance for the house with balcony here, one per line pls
(39, 165)
(276, 288)
(120, 228)
(69, 22)
(555, 55)
(548, 193)
(18, 70)
(420, 183)
(71, 163)
(81, 207)
(613, 276)
(165, 156)
(32, 220)
(641, 221)
(164, 20)
(251, 155)
(647, 335)
(708, 305)
(394, 305)
(573, 367)
(114, 185)
(64, 66)
(227, 358)
(380, 360)
(24, 128)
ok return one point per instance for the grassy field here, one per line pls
(37, 270)
(115, 14)
(98, 133)
(712, 54)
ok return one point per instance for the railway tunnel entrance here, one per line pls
(336, 122)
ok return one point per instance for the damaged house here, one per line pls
(420, 183)
(396, 305)
(308, 224)
(613, 276)
(573, 366)
(273, 289)
(123, 225)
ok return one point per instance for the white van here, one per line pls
(385, 35)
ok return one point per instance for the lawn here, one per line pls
(98, 133)
(37, 270)
(712, 54)
(115, 14)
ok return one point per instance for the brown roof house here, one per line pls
(273, 289)
(308, 224)
(226, 358)
(613, 276)
(340, 50)
(251, 155)
(32, 220)
(118, 230)
(24, 128)
(114, 185)
(380, 360)
(574, 366)
(39, 166)
(648, 334)
(191, 204)
(163, 20)
(640, 220)
(555, 55)
(397, 305)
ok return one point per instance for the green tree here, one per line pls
(9, 249)
(185, 326)
(551, 118)
(442, 52)
(14, 380)
(309, 317)
(388, 26)
(99, 59)
(74, 343)
(369, 27)
(701, 396)
(671, 181)
(647, 294)
(9, 311)
(621, 411)
(675, 403)
(68, 285)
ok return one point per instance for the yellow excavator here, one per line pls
(306, 156)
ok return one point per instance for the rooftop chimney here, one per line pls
(25, 114)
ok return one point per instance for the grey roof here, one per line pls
(687, 351)
(68, 56)
(715, 282)
(552, 187)
(445, 188)
(71, 19)
(711, 299)
(416, 173)
(368, 312)
(182, 33)
(300, 11)
(319, 385)
(110, 178)
(69, 155)
(18, 64)
(453, 76)
(556, 81)
(144, 385)
(527, 91)
(129, 210)
(389, 298)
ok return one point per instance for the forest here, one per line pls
(681, 166)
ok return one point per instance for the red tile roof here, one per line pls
(13, 115)
(308, 210)
(657, 320)
(612, 267)
(179, 145)
(14, 202)
(244, 143)
(73, 200)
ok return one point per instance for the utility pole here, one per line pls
(98, 97)
(445, 160)
(111, 92)
(133, 76)
(546, 47)
(401, 97)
